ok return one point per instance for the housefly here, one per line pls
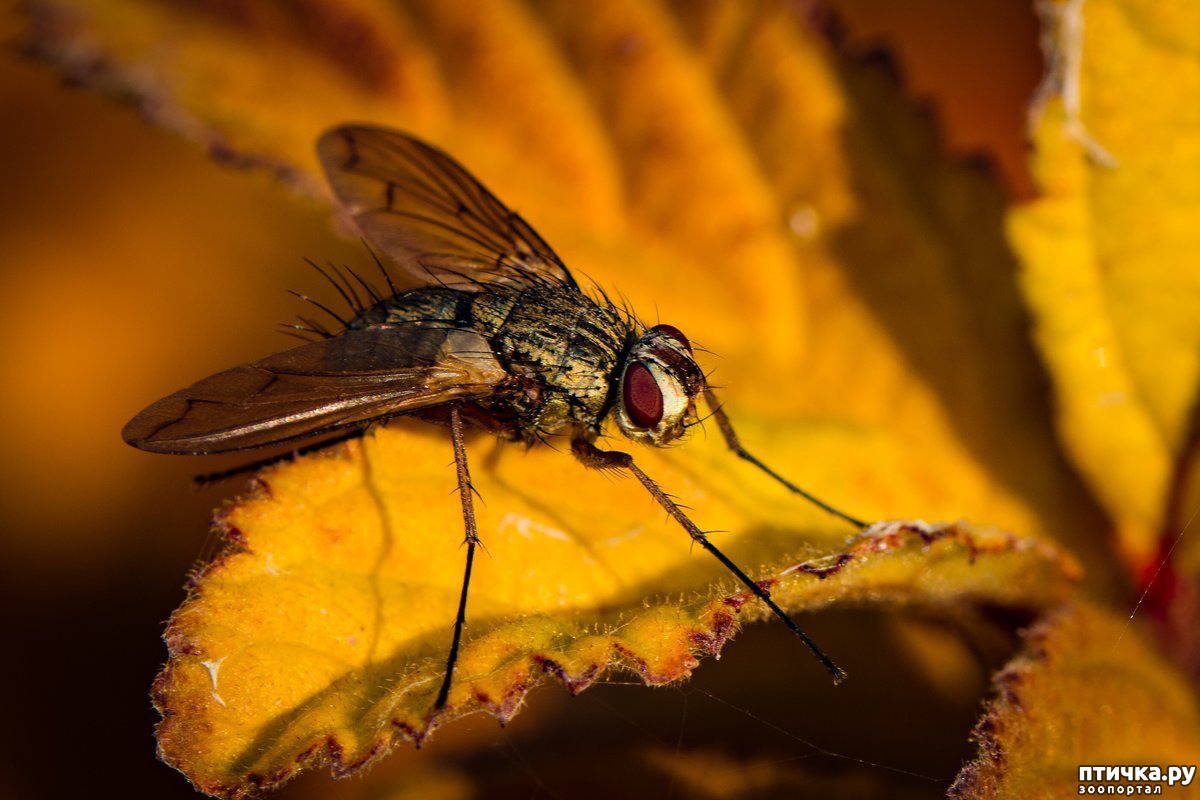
(499, 337)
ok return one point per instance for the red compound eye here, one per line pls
(643, 400)
(674, 333)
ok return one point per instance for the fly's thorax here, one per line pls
(571, 347)
(659, 383)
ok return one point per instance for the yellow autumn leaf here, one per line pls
(321, 635)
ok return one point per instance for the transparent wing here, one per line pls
(342, 381)
(429, 215)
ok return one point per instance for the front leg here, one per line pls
(591, 456)
(734, 444)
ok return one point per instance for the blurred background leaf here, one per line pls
(1087, 689)
(1107, 252)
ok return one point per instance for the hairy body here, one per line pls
(561, 351)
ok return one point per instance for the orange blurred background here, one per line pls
(131, 264)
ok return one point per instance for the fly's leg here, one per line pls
(594, 457)
(471, 540)
(735, 445)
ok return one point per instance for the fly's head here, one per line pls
(659, 384)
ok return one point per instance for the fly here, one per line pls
(500, 337)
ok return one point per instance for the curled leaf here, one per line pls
(320, 635)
